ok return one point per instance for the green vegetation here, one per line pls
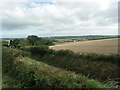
(10, 82)
(34, 40)
(30, 41)
(15, 43)
(34, 65)
(5, 43)
(34, 74)
(97, 66)
(63, 40)
(80, 38)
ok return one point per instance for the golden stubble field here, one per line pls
(103, 46)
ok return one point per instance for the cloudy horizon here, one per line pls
(46, 19)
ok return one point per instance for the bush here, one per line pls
(5, 43)
(65, 53)
(114, 58)
(41, 50)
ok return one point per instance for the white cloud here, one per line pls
(61, 18)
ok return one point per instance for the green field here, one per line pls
(82, 38)
(69, 39)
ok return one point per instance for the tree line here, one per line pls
(32, 40)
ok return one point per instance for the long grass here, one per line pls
(97, 66)
(34, 74)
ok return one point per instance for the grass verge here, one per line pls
(34, 74)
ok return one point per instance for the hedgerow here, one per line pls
(97, 66)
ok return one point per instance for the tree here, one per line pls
(48, 42)
(14, 43)
(32, 39)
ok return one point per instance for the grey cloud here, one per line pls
(68, 18)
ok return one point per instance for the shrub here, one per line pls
(41, 50)
(114, 58)
(5, 43)
(65, 53)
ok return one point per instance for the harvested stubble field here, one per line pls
(103, 46)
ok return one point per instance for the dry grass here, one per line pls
(105, 46)
(6, 40)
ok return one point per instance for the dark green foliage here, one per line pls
(96, 66)
(5, 43)
(18, 43)
(34, 74)
(40, 50)
(114, 58)
(14, 43)
(48, 42)
(34, 40)
(9, 82)
(65, 53)
(30, 41)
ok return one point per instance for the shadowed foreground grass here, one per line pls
(9, 82)
(34, 74)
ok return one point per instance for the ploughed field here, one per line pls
(103, 46)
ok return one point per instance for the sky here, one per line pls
(21, 18)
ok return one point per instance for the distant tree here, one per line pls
(35, 40)
(24, 42)
(14, 43)
(32, 39)
(48, 42)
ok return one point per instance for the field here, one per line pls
(41, 65)
(105, 46)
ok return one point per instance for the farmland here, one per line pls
(103, 46)
(38, 64)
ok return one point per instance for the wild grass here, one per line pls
(97, 66)
(9, 82)
(33, 74)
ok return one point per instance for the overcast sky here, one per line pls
(59, 18)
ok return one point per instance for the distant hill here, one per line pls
(64, 37)
(87, 36)
(11, 38)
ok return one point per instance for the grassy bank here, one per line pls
(97, 66)
(10, 82)
(33, 74)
